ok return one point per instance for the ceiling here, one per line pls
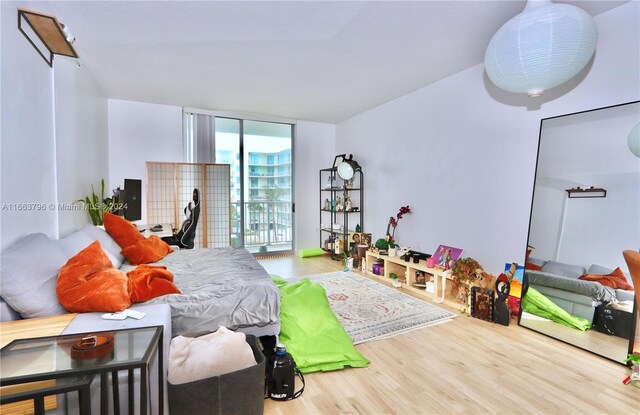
(310, 60)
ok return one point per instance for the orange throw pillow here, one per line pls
(150, 281)
(148, 250)
(89, 282)
(614, 280)
(121, 230)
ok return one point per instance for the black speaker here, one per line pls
(133, 199)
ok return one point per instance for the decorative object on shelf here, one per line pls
(393, 222)
(327, 204)
(348, 184)
(542, 47)
(395, 282)
(501, 310)
(402, 251)
(465, 274)
(578, 192)
(482, 302)
(445, 256)
(347, 168)
(339, 204)
(366, 239)
(347, 204)
(50, 33)
(382, 244)
(633, 140)
(416, 258)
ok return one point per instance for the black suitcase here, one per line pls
(613, 322)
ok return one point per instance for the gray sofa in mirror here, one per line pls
(573, 236)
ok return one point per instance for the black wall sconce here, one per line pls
(50, 35)
(589, 192)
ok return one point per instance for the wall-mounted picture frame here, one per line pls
(482, 302)
(339, 159)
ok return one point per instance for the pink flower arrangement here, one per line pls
(393, 223)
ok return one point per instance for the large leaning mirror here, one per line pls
(585, 212)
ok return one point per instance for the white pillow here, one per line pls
(214, 354)
(74, 243)
(29, 270)
(567, 270)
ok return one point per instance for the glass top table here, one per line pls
(55, 357)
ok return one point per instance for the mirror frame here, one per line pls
(525, 282)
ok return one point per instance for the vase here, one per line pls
(393, 251)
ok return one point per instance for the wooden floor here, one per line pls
(466, 366)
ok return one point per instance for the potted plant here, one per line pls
(394, 278)
(382, 244)
(391, 229)
(96, 206)
(465, 274)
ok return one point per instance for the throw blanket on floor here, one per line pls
(536, 303)
(312, 333)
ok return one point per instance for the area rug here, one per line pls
(369, 310)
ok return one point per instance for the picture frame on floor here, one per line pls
(482, 303)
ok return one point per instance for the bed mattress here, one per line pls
(220, 287)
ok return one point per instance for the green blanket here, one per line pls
(312, 333)
(536, 303)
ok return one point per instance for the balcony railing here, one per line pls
(266, 224)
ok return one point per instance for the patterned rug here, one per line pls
(369, 310)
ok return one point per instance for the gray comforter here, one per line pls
(591, 289)
(220, 287)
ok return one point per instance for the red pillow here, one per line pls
(89, 282)
(532, 267)
(614, 280)
(150, 281)
(147, 250)
(121, 230)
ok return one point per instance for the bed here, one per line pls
(220, 286)
(560, 283)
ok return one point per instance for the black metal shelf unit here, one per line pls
(341, 210)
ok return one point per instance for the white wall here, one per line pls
(28, 167)
(462, 153)
(53, 136)
(314, 150)
(81, 141)
(141, 132)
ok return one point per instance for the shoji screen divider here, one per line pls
(170, 189)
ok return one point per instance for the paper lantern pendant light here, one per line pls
(542, 47)
(633, 140)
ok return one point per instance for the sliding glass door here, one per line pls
(260, 155)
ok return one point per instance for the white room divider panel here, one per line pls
(170, 189)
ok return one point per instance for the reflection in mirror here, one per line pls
(577, 286)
